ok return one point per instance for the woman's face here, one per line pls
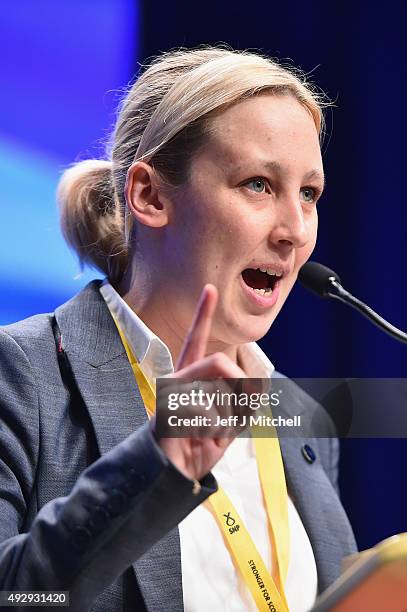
(249, 203)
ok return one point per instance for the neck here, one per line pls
(166, 318)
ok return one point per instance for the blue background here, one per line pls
(63, 66)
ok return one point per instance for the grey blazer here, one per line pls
(88, 502)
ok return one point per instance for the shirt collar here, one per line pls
(152, 354)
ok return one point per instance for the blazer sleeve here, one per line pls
(80, 543)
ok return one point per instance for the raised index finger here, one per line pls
(195, 344)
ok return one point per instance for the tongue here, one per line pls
(255, 278)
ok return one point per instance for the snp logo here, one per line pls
(230, 522)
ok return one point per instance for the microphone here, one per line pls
(327, 284)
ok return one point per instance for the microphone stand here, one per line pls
(339, 293)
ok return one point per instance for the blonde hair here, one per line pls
(163, 120)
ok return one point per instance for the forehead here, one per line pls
(271, 127)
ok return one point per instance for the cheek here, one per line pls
(220, 230)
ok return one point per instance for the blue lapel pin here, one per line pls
(308, 453)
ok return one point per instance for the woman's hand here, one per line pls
(196, 456)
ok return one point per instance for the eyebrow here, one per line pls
(312, 174)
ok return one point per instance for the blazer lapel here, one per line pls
(320, 510)
(311, 490)
(105, 380)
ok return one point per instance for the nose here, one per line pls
(290, 223)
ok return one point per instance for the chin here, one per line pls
(240, 326)
(250, 329)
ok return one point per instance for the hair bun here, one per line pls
(90, 221)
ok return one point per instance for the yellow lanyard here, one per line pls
(268, 593)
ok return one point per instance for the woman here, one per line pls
(204, 213)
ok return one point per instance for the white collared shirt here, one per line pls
(209, 578)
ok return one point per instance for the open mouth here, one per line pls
(261, 280)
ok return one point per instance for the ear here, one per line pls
(144, 200)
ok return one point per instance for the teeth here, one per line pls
(263, 291)
(270, 271)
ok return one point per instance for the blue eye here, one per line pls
(258, 184)
(308, 194)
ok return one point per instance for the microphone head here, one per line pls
(317, 278)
